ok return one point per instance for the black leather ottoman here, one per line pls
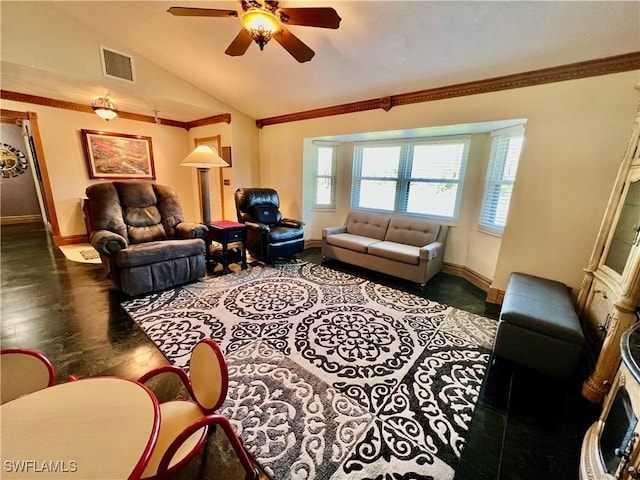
(538, 326)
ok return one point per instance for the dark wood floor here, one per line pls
(526, 426)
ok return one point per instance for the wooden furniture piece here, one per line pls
(23, 371)
(226, 233)
(185, 423)
(611, 446)
(610, 290)
(100, 427)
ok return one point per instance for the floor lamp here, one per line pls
(204, 158)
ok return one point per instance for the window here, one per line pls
(325, 185)
(506, 145)
(422, 177)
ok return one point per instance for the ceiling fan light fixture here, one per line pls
(261, 25)
(104, 108)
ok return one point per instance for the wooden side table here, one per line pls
(225, 233)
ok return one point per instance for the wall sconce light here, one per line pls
(104, 108)
(204, 158)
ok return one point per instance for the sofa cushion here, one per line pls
(356, 243)
(369, 225)
(412, 231)
(397, 252)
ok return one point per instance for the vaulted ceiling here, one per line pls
(381, 48)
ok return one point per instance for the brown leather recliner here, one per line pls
(140, 233)
(269, 236)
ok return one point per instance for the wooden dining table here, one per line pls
(94, 428)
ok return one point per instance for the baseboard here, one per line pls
(469, 275)
(313, 244)
(69, 239)
(495, 295)
(18, 219)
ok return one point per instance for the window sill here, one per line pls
(323, 209)
(490, 231)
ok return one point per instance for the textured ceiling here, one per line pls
(381, 48)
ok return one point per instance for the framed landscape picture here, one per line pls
(118, 155)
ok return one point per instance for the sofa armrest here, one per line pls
(257, 226)
(333, 230)
(191, 230)
(431, 251)
(290, 222)
(107, 242)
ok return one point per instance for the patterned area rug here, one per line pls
(332, 376)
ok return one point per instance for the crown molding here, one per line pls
(79, 107)
(573, 71)
(222, 118)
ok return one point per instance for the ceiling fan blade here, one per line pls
(292, 44)
(201, 12)
(240, 44)
(323, 17)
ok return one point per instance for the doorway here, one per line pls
(25, 181)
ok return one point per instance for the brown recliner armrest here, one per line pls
(107, 242)
(191, 230)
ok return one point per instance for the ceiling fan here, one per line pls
(264, 20)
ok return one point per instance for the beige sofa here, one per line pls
(407, 247)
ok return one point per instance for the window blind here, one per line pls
(325, 185)
(421, 177)
(504, 156)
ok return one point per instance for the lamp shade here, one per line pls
(104, 108)
(204, 157)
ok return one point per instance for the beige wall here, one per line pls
(575, 137)
(224, 130)
(465, 244)
(45, 38)
(59, 46)
(62, 143)
(242, 136)
(68, 174)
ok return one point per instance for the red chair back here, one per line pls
(23, 371)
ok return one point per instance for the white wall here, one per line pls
(576, 134)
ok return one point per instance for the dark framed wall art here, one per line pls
(118, 155)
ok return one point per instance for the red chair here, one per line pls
(184, 424)
(23, 371)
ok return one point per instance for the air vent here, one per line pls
(117, 64)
